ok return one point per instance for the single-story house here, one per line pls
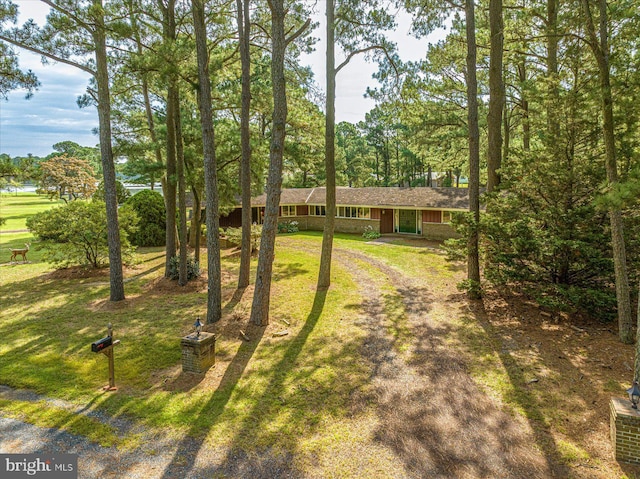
(420, 211)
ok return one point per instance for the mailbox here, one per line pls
(101, 344)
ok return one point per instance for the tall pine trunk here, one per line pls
(262, 291)
(214, 296)
(116, 277)
(170, 187)
(473, 259)
(182, 195)
(496, 95)
(600, 48)
(244, 26)
(324, 275)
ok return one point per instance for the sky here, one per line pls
(52, 114)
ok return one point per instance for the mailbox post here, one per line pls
(105, 346)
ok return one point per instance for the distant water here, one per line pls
(133, 189)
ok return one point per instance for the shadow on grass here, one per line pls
(184, 457)
(240, 464)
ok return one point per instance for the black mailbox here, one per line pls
(103, 343)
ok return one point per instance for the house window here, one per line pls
(288, 210)
(353, 212)
(317, 210)
(446, 216)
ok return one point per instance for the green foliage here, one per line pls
(369, 233)
(234, 236)
(76, 233)
(471, 287)
(288, 227)
(546, 235)
(193, 268)
(122, 193)
(149, 207)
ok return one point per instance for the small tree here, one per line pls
(149, 208)
(76, 233)
(65, 176)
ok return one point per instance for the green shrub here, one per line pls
(193, 268)
(288, 227)
(76, 233)
(369, 233)
(149, 206)
(122, 193)
(234, 236)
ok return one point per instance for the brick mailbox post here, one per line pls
(198, 352)
(625, 430)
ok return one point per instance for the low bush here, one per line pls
(76, 233)
(369, 233)
(234, 236)
(149, 206)
(288, 227)
(193, 268)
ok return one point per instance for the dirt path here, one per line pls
(432, 414)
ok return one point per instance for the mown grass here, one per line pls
(16, 208)
(291, 393)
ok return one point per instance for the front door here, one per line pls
(407, 221)
(386, 221)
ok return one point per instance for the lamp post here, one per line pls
(634, 394)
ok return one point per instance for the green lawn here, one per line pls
(16, 208)
(273, 391)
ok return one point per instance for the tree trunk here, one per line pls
(145, 89)
(324, 275)
(553, 123)
(214, 296)
(600, 48)
(195, 223)
(262, 292)
(244, 26)
(506, 144)
(496, 95)
(524, 106)
(170, 188)
(473, 260)
(182, 196)
(116, 278)
(637, 361)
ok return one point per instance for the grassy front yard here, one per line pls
(380, 376)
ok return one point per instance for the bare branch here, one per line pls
(299, 32)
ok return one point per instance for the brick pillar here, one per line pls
(198, 353)
(625, 430)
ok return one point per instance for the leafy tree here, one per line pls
(149, 208)
(75, 34)
(76, 233)
(71, 148)
(66, 178)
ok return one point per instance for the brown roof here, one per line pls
(377, 196)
